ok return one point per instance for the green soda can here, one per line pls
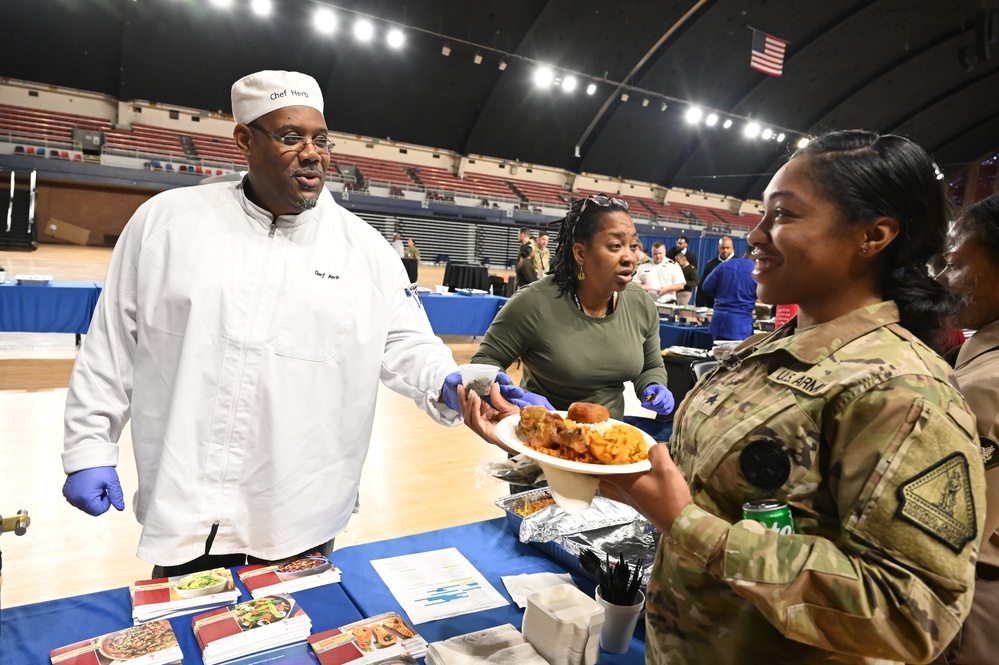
(771, 513)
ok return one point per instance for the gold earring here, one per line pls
(582, 275)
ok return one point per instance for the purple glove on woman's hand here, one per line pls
(658, 398)
(520, 397)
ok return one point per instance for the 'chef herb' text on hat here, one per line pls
(258, 94)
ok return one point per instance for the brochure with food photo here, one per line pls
(385, 631)
(287, 576)
(166, 597)
(149, 644)
(249, 627)
(340, 647)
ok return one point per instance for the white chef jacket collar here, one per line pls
(266, 218)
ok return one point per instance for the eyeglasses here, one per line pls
(603, 201)
(321, 142)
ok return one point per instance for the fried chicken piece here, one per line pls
(539, 426)
(577, 438)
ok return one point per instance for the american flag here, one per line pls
(768, 54)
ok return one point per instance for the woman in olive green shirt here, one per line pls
(583, 330)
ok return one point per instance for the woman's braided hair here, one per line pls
(580, 224)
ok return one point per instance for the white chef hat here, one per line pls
(258, 94)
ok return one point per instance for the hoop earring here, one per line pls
(581, 275)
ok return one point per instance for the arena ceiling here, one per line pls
(920, 68)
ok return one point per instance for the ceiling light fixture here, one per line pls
(543, 77)
(477, 59)
(645, 102)
(711, 120)
(395, 38)
(592, 88)
(693, 115)
(751, 130)
(261, 7)
(781, 137)
(802, 142)
(364, 30)
(624, 96)
(663, 106)
(569, 83)
(767, 133)
(325, 21)
(502, 65)
(446, 50)
(727, 123)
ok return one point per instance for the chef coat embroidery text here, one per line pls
(324, 275)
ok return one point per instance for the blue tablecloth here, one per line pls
(494, 551)
(696, 337)
(29, 632)
(55, 307)
(457, 314)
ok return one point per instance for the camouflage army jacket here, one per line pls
(859, 428)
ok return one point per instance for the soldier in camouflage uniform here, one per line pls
(971, 269)
(846, 415)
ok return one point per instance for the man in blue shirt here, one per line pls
(733, 288)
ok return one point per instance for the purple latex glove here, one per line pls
(94, 490)
(658, 398)
(453, 380)
(520, 397)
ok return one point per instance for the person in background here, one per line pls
(661, 278)
(583, 330)
(726, 250)
(524, 238)
(242, 330)
(690, 274)
(641, 254)
(682, 247)
(412, 251)
(397, 245)
(526, 272)
(847, 415)
(542, 257)
(970, 271)
(733, 289)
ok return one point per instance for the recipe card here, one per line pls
(437, 585)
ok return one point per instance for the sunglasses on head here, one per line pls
(603, 201)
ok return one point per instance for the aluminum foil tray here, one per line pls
(609, 528)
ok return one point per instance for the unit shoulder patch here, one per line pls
(990, 452)
(939, 501)
(800, 381)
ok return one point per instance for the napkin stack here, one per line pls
(502, 645)
(563, 625)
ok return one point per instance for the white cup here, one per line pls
(619, 623)
(479, 378)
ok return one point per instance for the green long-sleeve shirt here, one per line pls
(569, 356)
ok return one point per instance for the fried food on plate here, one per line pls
(567, 439)
(587, 412)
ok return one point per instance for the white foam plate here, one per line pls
(506, 429)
